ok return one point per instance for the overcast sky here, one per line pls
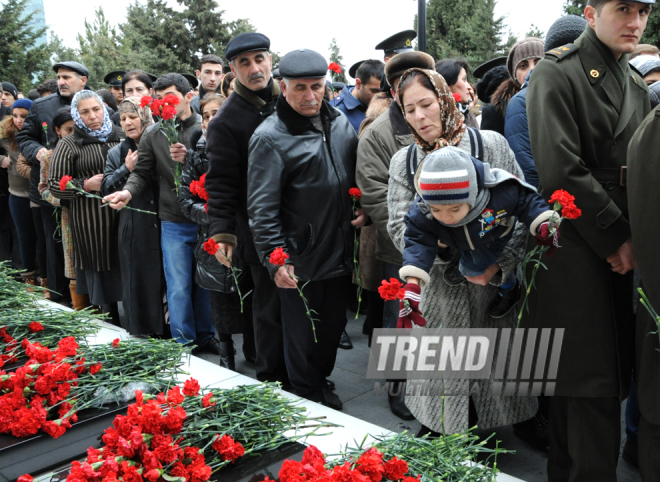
(357, 25)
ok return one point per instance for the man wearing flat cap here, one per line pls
(113, 79)
(228, 134)
(397, 44)
(584, 105)
(301, 167)
(380, 141)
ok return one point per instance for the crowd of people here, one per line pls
(245, 223)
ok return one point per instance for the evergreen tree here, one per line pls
(337, 58)
(651, 33)
(465, 28)
(534, 31)
(23, 63)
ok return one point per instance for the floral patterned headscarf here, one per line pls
(452, 120)
(132, 105)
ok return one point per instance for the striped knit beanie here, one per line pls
(448, 177)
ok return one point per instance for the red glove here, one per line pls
(545, 238)
(409, 307)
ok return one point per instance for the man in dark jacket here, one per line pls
(584, 105)
(301, 167)
(227, 140)
(189, 305)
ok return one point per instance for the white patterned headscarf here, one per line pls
(104, 132)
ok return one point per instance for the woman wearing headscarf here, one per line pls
(435, 122)
(523, 56)
(82, 156)
(140, 256)
(455, 73)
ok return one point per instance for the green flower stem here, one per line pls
(235, 272)
(356, 249)
(308, 311)
(70, 185)
(647, 304)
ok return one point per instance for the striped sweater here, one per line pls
(93, 226)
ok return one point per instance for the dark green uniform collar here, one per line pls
(589, 44)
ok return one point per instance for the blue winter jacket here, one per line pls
(509, 200)
(516, 131)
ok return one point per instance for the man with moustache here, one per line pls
(210, 76)
(228, 134)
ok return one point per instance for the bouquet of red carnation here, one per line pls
(355, 195)
(548, 239)
(198, 188)
(278, 257)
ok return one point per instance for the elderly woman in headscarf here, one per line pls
(140, 256)
(435, 122)
(82, 156)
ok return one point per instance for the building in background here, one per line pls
(38, 19)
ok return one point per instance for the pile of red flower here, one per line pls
(150, 442)
(369, 467)
(40, 388)
(11, 343)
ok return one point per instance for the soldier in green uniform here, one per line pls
(643, 197)
(584, 105)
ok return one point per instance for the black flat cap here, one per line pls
(407, 60)
(489, 83)
(480, 71)
(303, 64)
(353, 70)
(73, 66)
(338, 85)
(276, 74)
(399, 42)
(246, 42)
(113, 79)
(192, 80)
(152, 76)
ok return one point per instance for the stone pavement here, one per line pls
(357, 395)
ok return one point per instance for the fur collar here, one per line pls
(503, 94)
(298, 124)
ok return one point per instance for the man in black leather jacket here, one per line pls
(301, 167)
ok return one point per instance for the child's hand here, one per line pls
(409, 306)
(545, 237)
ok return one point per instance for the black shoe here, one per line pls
(329, 384)
(427, 431)
(452, 275)
(505, 301)
(630, 453)
(534, 432)
(398, 407)
(331, 400)
(212, 346)
(345, 342)
(227, 352)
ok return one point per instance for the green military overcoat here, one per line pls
(644, 199)
(583, 107)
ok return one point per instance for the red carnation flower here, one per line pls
(571, 211)
(334, 67)
(64, 181)
(168, 112)
(174, 396)
(395, 469)
(278, 257)
(206, 400)
(457, 97)
(156, 105)
(26, 477)
(206, 207)
(171, 99)
(390, 290)
(145, 101)
(355, 193)
(191, 387)
(35, 327)
(228, 448)
(562, 197)
(115, 343)
(211, 246)
(94, 369)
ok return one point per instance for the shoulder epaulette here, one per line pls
(562, 52)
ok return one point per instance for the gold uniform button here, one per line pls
(594, 74)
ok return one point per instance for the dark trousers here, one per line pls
(27, 237)
(268, 337)
(585, 438)
(57, 282)
(41, 242)
(309, 362)
(649, 450)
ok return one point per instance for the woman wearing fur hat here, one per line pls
(523, 56)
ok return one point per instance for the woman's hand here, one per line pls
(178, 152)
(94, 183)
(131, 159)
(5, 162)
(118, 199)
(484, 279)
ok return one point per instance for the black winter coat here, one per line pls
(210, 273)
(140, 256)
(226, 182)
(298, 182)
(32, 137)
